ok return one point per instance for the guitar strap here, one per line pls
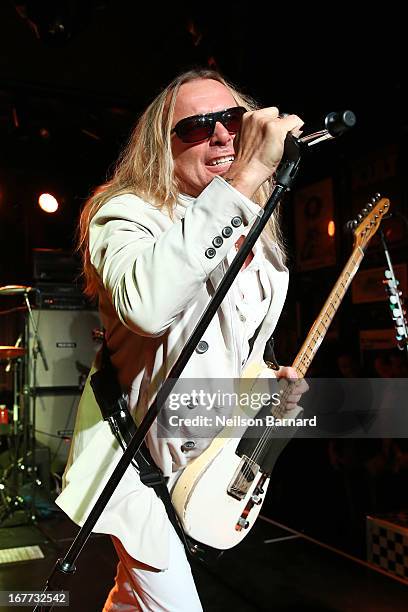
(114, 409)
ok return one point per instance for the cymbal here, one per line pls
(11, 352)
(14, 289)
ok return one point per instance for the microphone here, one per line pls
(335, 124)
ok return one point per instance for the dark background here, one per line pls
(74, 75)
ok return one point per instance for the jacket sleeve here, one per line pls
(151, 271)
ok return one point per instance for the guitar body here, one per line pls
(219, 495)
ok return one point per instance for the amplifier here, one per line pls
(54, 424)
(69, 348)
(55, 265)
(61, 296)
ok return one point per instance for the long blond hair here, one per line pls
(145, 167)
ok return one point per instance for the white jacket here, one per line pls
(158, 276)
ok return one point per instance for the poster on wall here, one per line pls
(314, 211)
(377, 339)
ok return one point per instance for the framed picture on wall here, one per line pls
(314, 226)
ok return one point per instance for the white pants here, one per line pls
(138, 587)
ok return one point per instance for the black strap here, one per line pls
(114, 409)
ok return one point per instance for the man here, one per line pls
(157, 240)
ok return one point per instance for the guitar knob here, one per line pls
(256, 499)
(393, 299)
(243, 523)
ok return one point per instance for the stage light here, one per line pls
(48, 203)
(331, 229)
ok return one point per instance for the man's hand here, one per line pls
(296, 387)
(259, 147)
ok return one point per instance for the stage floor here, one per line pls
(273, 569)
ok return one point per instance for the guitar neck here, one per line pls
(319, 328)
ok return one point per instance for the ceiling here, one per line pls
(106, 52)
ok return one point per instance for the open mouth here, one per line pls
(221, 161)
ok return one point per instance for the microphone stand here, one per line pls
(396, 300)
(285, 176)
(37, 348)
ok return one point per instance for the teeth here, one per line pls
(221, 160)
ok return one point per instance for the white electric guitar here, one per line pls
(220, 493)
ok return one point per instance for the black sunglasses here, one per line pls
(201, 127)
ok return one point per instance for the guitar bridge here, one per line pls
(243, 478)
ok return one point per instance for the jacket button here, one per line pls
(187, 446)
(202, 347)
(217, 242)
(210, 253)
(227, 231)
(236, 221)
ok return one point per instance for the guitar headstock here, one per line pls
(368, 220)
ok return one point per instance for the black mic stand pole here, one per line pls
(284, 179)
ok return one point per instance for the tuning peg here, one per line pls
(350, 225)
(393, 299)
(364, 212)
(359, 217)
(375, 198)
(396, 312)
(369, 205)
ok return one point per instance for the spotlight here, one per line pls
(48, 203)
(331, 229)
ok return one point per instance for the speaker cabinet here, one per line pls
(54, 423)
(69, 348)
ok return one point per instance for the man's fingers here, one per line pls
(297, 386)
(286, 372)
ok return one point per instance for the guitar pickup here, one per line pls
(243, 478)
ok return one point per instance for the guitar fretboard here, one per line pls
(319, 328)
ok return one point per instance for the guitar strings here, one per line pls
(265, 437)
